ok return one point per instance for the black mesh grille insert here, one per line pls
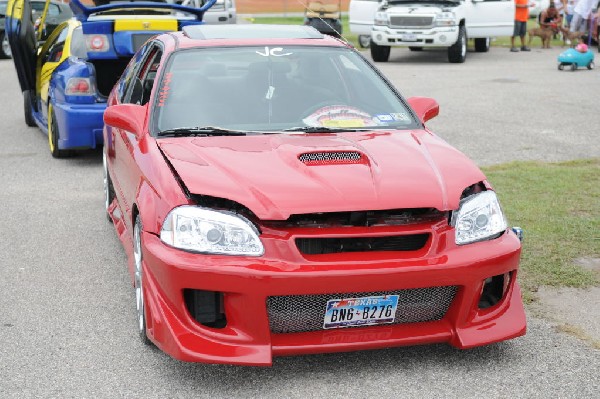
(303, 313)
(320, 246)
(323, 158)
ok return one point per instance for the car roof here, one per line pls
(253, 34)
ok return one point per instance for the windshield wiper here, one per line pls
(202, 131)
(322, 129)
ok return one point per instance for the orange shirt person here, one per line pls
(521, 17)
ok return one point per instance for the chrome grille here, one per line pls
(303, 313)
(323, 158)
(411, 21)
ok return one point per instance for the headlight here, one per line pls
(207, 231)
(445, 19)
(381, 19)
(478, 218)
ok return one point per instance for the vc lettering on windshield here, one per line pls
(273, 52)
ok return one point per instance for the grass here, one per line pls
(352, 38)
(558, 207)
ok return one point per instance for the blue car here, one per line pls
(575, 59)
(66, 79)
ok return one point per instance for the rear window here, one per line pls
(274, 88)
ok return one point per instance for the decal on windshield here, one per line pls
(340, 116)
(166, 87)
(273, 52)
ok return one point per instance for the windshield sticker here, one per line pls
(273, 52)
(340, 116)
(385, 118)
(164, 92)
(401, 117)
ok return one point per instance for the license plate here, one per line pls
(366, 311)
(409, 37)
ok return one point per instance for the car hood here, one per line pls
(278, 175)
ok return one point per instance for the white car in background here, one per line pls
(361, 14)
(537, 6)
(222, 12)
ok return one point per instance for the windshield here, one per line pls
(275, 89)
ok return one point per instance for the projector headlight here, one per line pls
(381, 19)
(208, 231)
(479, 218)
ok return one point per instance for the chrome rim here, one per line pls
(105, 175)
(6, 46)
(463, 46)
(139, 292)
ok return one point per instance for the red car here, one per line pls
(276, 195)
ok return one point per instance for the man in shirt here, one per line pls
(581, 14)
(521, 17)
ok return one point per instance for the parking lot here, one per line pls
(67, 312)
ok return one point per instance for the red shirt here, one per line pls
(521, 10)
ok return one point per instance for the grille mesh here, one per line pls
(411, 22)
(324, 158)
(319, 246)
(303, 313)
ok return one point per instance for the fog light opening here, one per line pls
(206, 307)
(493, 290)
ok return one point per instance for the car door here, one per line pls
(127, 147)
(21, 37)
(489, 18)
(51, 55)
(361, 15)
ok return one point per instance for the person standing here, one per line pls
(581, 13)
(521, 17)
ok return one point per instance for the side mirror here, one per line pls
(129, 117)
(426, 108)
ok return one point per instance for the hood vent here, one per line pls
(331, 158)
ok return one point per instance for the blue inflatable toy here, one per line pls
(575, 59)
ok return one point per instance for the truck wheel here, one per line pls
(457, 53)
(380, 53)
(364, 41)
(412, 48)
(27, 108)
(482, 45)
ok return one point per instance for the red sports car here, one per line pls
(276, 195)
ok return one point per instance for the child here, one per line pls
(581, 47)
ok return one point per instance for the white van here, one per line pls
(222, 12)
(361, 14)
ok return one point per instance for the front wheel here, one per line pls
(561, 66)
(482, 45)
(5, 51)
(140, 303)
(591, 65)
(457, 53)
(380, 53)
(364, 41)
(573, 67)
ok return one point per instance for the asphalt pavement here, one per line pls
(67, 312)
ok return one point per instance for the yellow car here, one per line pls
(66, 80)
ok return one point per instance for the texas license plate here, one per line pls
(409, 37)
(366, 311)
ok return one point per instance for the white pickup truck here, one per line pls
(418, 24)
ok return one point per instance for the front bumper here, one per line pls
(246, 283)
(434, 37)
(80, 125)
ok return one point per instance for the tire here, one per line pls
(573, 67)
(561, 66)
(380, 53)
(140, 303)
(109, 191)
(412, 48)
(482, 45)
(54, 135)
(364, 41)
(5, 51)
(457, 53)
(591, 65)
(27, 108)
